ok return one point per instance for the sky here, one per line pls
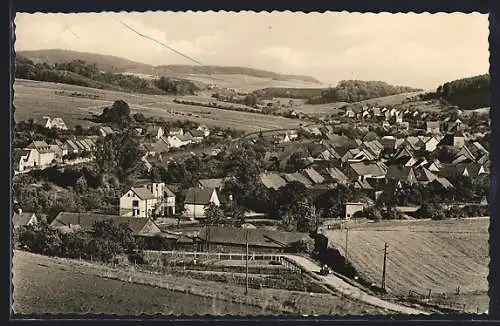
(418, 50)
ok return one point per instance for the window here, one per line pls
(135, 203)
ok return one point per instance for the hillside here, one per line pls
(120, 65)
(467, 93)
(349, 91)
(422, 255)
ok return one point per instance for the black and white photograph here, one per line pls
(250, 164)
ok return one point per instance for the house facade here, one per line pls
(197, 200)
(43, 154)
(352, 208)
(139, 202)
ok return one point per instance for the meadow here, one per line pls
(423, 255)
(37, 99)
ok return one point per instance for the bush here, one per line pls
(137, 258)
(301, 246)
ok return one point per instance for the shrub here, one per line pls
(302, 246)
(137, 258)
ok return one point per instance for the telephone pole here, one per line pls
(246, 263)
(346, 240)
(383, 269)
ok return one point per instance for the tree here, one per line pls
(213, 214)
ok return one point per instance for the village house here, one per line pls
(352, 209)
(42, 154)
(232, 239)
(215, 183)
(105, 131)
(272, 180)
(58, 123)
(400, 174)
(204, 129)
(177, 141)
(21, 218)
(433, 127)
(197, 135)
(45, 122)
(155, 132)
(144, 228)
(142, 201)
(365, 170)
(197, 200)
(176, 132)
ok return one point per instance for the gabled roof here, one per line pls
(153, 130)
(362, 184)
(444, 183)
(216, 183)
(143, 193)
(297, 177)
(87, 220)
(424, 175)
(314, 175)
(197, 133)
(336, 175)
(22, 219)
(256, 237)
(367, 169)
(198, 196)
(401, 173)
(272, 180)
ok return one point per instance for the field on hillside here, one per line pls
(41, 286)
(389, 100)
(36, 99)
(53, 285)
(436, 255)
(246, 83)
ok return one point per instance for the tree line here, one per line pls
(345, 91)
(466, 93)
(78, 72)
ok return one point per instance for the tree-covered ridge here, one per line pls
(78, 72)
(345, 91)
(467, 93)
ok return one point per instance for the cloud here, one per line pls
(285, 55)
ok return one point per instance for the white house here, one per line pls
(21, 218)
(176, 132)
(177, 141)
(197, 200)
(138, 202)
(44, 122)
(43, 153)
(106, 131)
(431, 144)
(58, 123)
(204, 129)
(352, 208)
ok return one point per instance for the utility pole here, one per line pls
(383, 269)
(346, 240)
(246, 263)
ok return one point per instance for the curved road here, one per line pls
(349, 290)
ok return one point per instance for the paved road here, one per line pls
(349, 290)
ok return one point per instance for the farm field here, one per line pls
(36, 99)
(389, 100)
(42, 286)
(436, 255)
(246, 83)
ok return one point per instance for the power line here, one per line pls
(161, 43)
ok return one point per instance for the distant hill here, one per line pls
(467, 93)
(349, 91)
(120, 65)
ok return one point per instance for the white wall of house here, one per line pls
(351, 209)
(431, 144)
(198, 211)
(174, 141)
(131, 205)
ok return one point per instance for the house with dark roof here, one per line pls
(313, 175)
(401, 174)
(23, 159)
(43, 154)
(197, 200)
(433, 127)
(70, 222)
(297, 177)
(215, 183)
(443, 183)
(333, 174)
(197, 135)
(231, 239)
(365, 170)
(140, 202)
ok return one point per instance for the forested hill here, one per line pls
(114, 64)
(78, 72)
(345, 91)
(466, 93)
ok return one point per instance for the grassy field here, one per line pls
(436, 255)
(43, 286)
(36, 99)
(52, 285)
